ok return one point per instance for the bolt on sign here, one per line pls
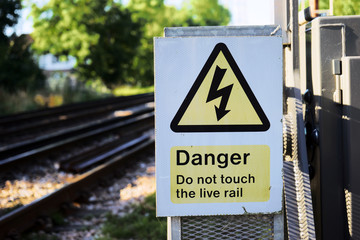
(218, 125)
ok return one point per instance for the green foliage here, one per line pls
(346, 7)
(207, 13)
(59, 28)
(114, 43)
(13, 103)
(57, 218)
(129, 90)
(341, 7)
(324, 4)
(99, 34)
(18, 70)
(9, 14)
(66, 94)
(154, 14)
(142, 223)
(8, 18)
(110, 59)
(157, 16)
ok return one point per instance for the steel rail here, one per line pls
(20, 147)
(56, 111)
(107, 155)
(24, 217)
(85, 160)
(50, 119)
(76, 136)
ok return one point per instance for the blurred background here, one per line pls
(55, 52)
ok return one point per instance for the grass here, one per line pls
(142, 223)
(21, 101)
(11, 103)
(128, 90)
(18, 102)
(57, 218)
(62, 88)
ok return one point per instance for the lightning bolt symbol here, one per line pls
(215, 93)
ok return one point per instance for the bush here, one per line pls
(142, 223)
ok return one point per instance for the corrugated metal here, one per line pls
(298, 203)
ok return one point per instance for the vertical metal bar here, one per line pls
(281, 17)
(279, 226)
(331, 7)
(302, 4)
(173, 223)
(174, 228)
(299, 213)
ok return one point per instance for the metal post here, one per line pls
(174, 228)
(298, 203)
(331, 7)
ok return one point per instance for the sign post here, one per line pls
(218, 124)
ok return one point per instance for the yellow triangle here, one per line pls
(220, 89)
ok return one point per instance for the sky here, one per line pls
(243, 12)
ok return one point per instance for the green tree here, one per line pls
(157, 16)
(154, 14)
(341, 7)
(18, 70)
(346, 7)
(206, 13)
(9, 14)
(99, 34)
(111, 58)
(111, 42)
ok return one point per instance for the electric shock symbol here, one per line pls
(221, 79)
(223, 93)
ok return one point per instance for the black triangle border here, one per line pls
(220, 128)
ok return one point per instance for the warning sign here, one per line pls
(210, 174)
(218, 125)
(220, 99)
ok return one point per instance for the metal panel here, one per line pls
(181, 95)
(248, 226)
(351, 127)
(222, 31)
(332, 39)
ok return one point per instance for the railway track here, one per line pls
(133, 109)
(102, 144)
(23, 126)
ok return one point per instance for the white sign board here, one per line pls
(218, 125)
